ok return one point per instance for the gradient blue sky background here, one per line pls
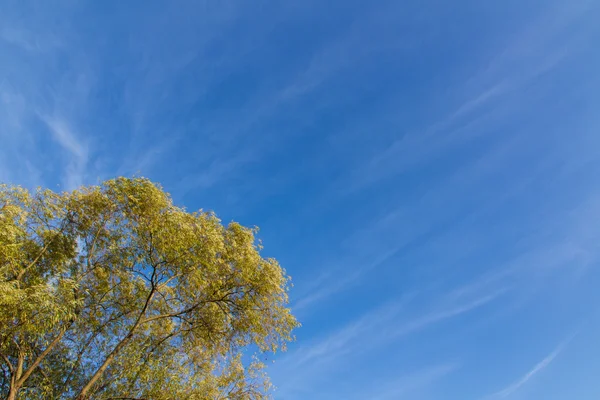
(427, 171)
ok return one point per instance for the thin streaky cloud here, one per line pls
(394, 222)
(404, 385)
(61, 132)
(328, 286)
(504, 77)
(444, 314)
(540, 366)
(373, 322)
(65, 137)
(374, 330)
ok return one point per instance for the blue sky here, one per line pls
(427, 171)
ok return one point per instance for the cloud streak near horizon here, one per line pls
(544, 363)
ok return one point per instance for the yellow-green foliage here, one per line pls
(112, 291)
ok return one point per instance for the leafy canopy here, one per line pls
(112, 291)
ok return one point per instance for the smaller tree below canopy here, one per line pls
(111, 291)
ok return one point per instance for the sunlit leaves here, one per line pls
(113, 291)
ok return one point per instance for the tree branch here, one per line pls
(8, 363)
(84, 348)
(38, 360)
(108, 360)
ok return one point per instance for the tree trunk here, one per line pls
(15, 385)
(12, 394)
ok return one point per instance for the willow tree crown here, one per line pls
(112, 291)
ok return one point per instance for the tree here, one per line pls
(112, 291)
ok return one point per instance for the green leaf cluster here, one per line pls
(112, 291)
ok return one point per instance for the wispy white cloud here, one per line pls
(496, 95)
(347, 49)
(39, 88)
(470, 118)
(403, 386)
(65, 137)
(27, 40)
(497, 90)
(447, 313)
(78, 152)
(544, 363)
(382, 327)
(18, 161)
(217, 170)
(329, 284)
(389, 322)
(14, 106)
(347, 338)
(378, 241)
